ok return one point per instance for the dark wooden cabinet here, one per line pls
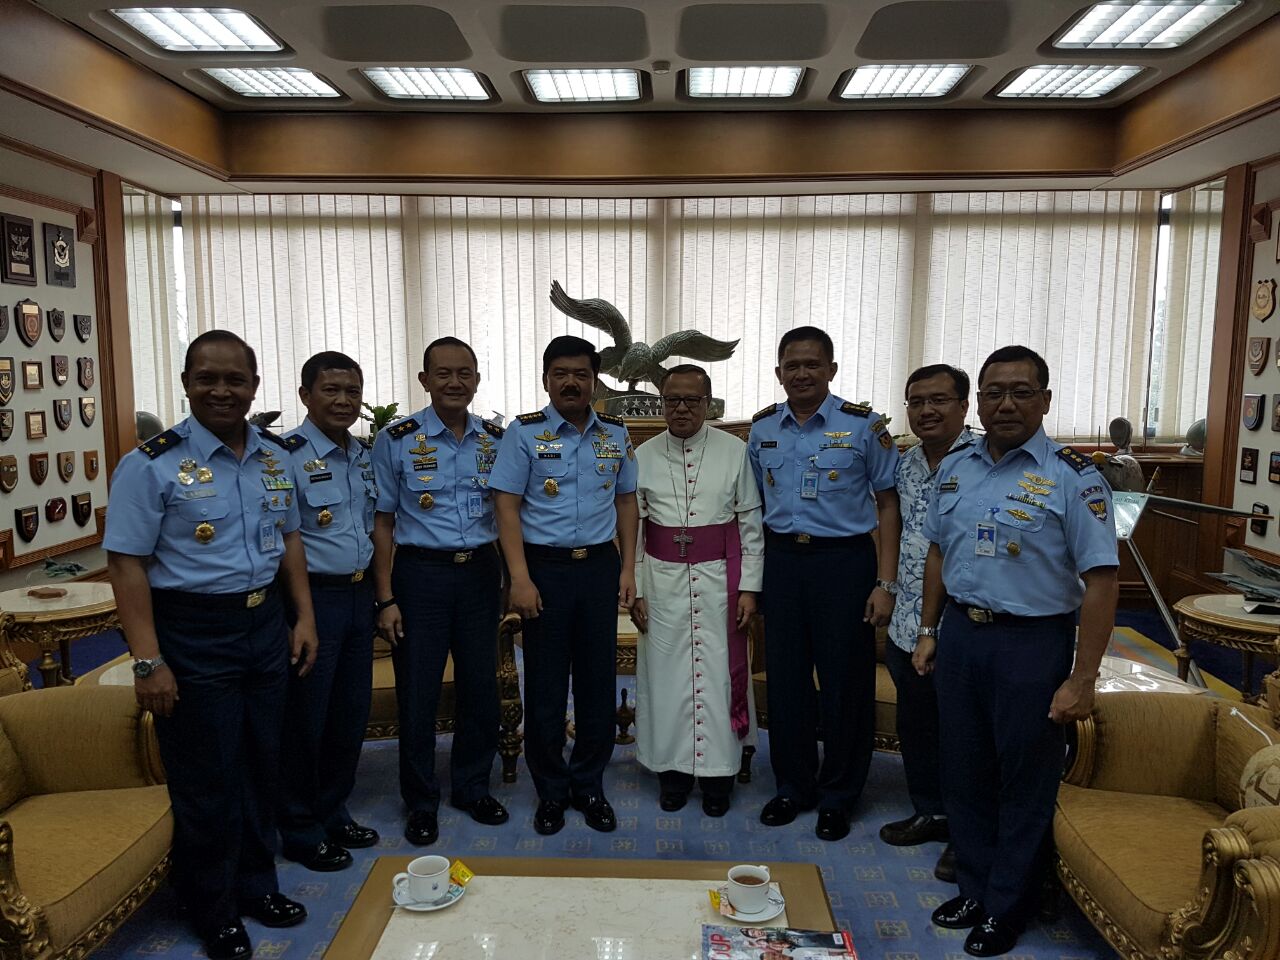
(1167, 537)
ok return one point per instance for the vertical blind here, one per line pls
(156, 321)
(898, 280)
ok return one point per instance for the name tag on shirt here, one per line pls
(548, 456)
(317, 477)
(198, 494)
(768, 444)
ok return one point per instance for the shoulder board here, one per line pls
(1075, 459)
(768, 411)
(398, 430)
(610, 418)
(364, 443)
(964, 446)
(857, 409)
(160, 443)
(536, 417)
(291, 444)
(492, 429)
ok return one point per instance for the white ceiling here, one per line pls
(499, 39)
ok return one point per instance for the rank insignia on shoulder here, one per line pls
(364, 443)
(1078, 461)
(160, 443)
(536, 417)
(290, 444)
(492, 429)
(857, 409)
(610, 418)
(768, 411)
(398, 430)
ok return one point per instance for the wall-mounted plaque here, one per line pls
(91, 465)
(35, 425)
(82, 508)
(1251, 413)
(88, 410)
(39, 463)
(6, 424)
(62, 413)
(1248, 465)
(6, 380)
(83, 324)
(8, 473)
(30, 320)
(57, 325)
(84, 369)
(60, 369)
(1260, 526)
(55, 509)
(4, 322)
(32, 375)
(17, 250)
(59, 255)
(1259, 347)
(67, 465)
(27, 522)
(1264, 299)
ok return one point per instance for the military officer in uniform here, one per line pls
(825, 467)
(201, 518)
(438, 576)
(564, 484)
(329, 708)
(1021, 540)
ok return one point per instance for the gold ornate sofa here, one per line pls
(85, 822)
(1152, 842)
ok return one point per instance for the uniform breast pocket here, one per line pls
(321, 500)
(835, 469)
(417, 482)
(606, 477)
(771, 467)
(202, 518)
(1015, 531)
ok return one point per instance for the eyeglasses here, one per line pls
(937, 402)
(1018, 394)
(673, 403)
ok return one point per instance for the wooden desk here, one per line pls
(357, 937)
(86, 609)
(1220, 619)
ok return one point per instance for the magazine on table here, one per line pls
(774, 943)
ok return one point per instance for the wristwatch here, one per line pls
(927, 632)
(380, 605)
(888, 586)
(145, 668)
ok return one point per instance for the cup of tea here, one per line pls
(748, 888)
(425, 882)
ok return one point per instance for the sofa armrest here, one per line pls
(22, 927)
(1116, 745)
(81, 738)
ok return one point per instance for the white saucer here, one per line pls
(455, 894)
(777, 903)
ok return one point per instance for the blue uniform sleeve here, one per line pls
(931, 530)
(753, 457)
(293, 512)
(1090, 524)
(881, 455)
(135, 509)
(629, 475)
(511, 469)
(384, 474)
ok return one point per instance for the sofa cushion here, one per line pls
(1137, 855)
(1242, 731)
(13, 780)
(77, 854)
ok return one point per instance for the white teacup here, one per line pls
(748, 888)
(427, 881)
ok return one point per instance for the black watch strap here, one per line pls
(381, 605)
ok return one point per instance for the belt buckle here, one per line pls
(980, 616)
(462, 556)
(578, 553)
(357, 576)
(255, 598)
(803, 538)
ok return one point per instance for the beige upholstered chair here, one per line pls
(85, 823)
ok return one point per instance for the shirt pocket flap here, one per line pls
(947, 502)
(417, 482)
(198, 511)
(607, 467)
(772, 459)
(323, 495)
(1007, 519)
(838, 459)
(550, 468)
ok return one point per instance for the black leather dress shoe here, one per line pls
(959, 913)
(229, 943)
(324, 857)
(549, 817)
(779, 811)
(715, 806)
(423, 829)
(915, 830)
(991, 938)
(354, 837)
(487, 810)
(832, 825)
(274, 910)
(596, 813)
(671, 802)
(945, 870)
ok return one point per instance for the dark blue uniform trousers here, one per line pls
(576, 632)
(917, 726)
(327, 712)
(814, 598)
(221, 747)
(1002, 757)
(447, 608)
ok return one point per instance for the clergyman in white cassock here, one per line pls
(700, 562)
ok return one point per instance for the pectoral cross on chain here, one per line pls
(683, 539)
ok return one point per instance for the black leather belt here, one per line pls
(809, 540)
(461, 555)
(982, 615)
(334, 581)
(216, 601)
(543, 552)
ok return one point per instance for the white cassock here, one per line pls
(684, 693)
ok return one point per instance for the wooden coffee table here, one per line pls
(361, 929)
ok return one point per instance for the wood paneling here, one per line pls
(118, 426)
(1167, 539)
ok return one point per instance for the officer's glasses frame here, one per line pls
(674, 403)
(937, 402)
(1016, 394)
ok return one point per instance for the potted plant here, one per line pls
(378, 417)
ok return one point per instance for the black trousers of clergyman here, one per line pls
(917, 731)
(814, 600)
(221, 747)
(576, 633)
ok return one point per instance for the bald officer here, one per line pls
(1021, 540)
(200, 520)
(565, 483)
(438, 578)
(329, 708)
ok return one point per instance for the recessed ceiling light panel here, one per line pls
(754, 82)
(1143, 25)
(879, 81)
(271, 82)
(1067, 81)
(583, 86)
(428, 83)
(200, 29)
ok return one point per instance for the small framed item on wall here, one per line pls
(18, 250)
(59, 255)
(1252, 411)
(32, 375)
(36, 429)
(1260, 526)
(1248, 462)
(1273, 471)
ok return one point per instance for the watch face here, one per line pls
(142, 669)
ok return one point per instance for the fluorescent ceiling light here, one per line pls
(428, 83)
(271, 82)
(1068, 81)
(200, 29)
(583, 86)
(744, 81)
(1143, 25)
(884, 80)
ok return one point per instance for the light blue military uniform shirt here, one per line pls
(568, 479)
(336, 494)
(819, 477)
(1016, 535)
(437, 485)
(211, 522)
